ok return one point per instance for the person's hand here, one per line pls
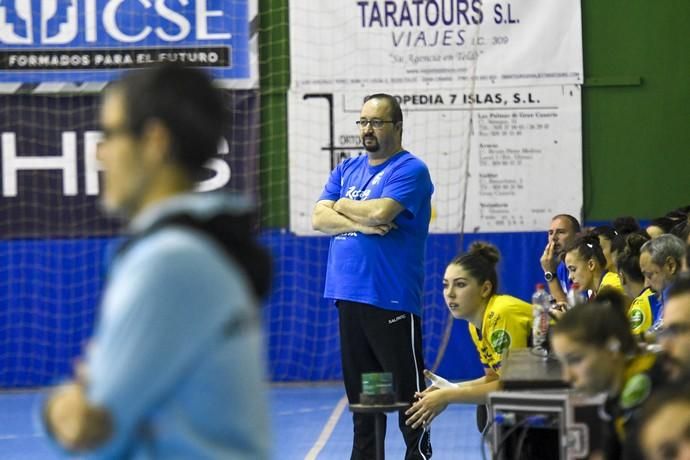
(73, 421)
(380, 230)
(66, 409)
(558, 310)
(548, 259)
(428, 405)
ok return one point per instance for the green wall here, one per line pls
(274, 68)
(635, 108)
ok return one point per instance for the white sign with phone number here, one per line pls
(506, 149)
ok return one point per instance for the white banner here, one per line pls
(384, 44)
(519, 147)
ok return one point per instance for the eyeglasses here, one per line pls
(672, 330)
(375, 123)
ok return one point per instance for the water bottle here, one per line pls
(573, 297)
(541, 304)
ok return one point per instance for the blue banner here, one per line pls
(95, 40)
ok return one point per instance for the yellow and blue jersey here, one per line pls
(640, 312)
(611, 280)
(507, 323)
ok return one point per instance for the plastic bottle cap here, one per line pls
(540, 286)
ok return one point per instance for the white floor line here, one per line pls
(327, 429)
(5, 437)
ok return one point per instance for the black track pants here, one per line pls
(376, 340)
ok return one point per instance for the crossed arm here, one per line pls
(73, 421)
(372, 217)
(433, 401)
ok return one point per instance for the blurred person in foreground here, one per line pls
(175, 368)
(674, 335)
(664, 431)
(599, 354)
(665, 424)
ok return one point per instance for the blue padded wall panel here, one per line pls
(49, 291)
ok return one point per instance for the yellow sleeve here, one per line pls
(611, 280)
(640, 314)
(508, 327)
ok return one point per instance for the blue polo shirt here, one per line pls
(384, 271)
(564, 277)
(657, 303)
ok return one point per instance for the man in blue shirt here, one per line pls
(174, 369)
(377, 207)
(562, 232)
(661, 261)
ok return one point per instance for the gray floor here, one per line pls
(307, 423)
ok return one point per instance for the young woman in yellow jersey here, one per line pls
(496, 323)
(586, 265)
(606, 236)
(599, 354)
(644, 308)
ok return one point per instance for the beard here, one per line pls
(371, 147)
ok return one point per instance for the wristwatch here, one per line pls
(548, 276)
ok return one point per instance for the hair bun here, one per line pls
(485, 250)
(634, 241)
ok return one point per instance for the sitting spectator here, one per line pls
(586, 265)
(668, 222)
(496, 322)
(625, 225)
(644, 309)
(665, 424)
(659, 226)
(562, 232)
(661, 262)
(682, 231)
(599, 354)
(674, 336)
(607, 235)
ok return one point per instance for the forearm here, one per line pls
(557, 291)
(479, 381)
(329, 221)
(472, 393)
(367, 212)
